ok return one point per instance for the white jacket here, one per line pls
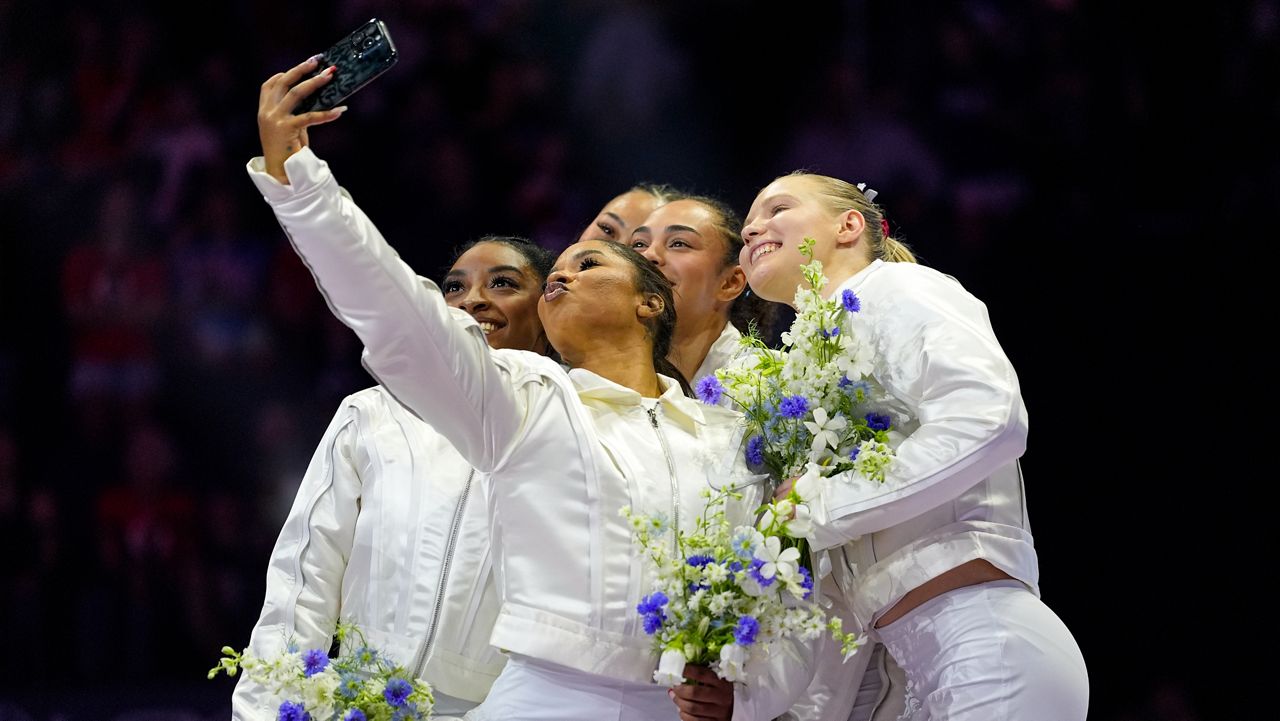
(564, 451)
(388, 530)
(727, 346)
(954, 493)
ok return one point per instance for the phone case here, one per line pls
(360, 57)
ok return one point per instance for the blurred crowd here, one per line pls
(169, 365)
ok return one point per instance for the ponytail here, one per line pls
(894, 251)
(841, 195)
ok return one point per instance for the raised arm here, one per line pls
(435, 362)
(943, 361)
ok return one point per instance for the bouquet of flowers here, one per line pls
(362, 686)
(725, 595)
(811, 408)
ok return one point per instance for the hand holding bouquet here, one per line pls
(361, 686)
(726, 594)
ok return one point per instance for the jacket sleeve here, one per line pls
(304, 576)
(780, 684)
(434, 362)
(941, 358)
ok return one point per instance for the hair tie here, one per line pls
(884, 227)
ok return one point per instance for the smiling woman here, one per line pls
(561, 451)
(496, 280)
(946, 570)
(385, 491)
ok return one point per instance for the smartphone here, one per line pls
(360, 57)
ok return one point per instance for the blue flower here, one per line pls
(756, 565)
(844, 382)
(698, 560)
(397, 691)
(290, 711)
(807, 583)
(850, 301)
(709, 390)
(735, 566)
(794, 406)
(743, 545)
(652, 603)
(660, 523)
(831, 333)
(745, 632)
(653, 622)
(313, 662)
(755, 450)
(853, 455)
(857, 390)
(348, 686)
(365, 657)
(355, 714)
(878, 421)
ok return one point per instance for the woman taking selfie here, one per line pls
(562, 450)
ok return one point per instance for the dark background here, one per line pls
(1098, 173)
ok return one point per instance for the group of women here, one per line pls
(464, 512)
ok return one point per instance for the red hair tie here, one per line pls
(884, 227)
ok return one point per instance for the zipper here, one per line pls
(420, 661)
(671, 471)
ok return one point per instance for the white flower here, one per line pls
(812, 627)
(750, 586)
(318, 690)
(802, 524)
(806, 486)
(716, 572)
(825, 429)
(670, 668)
(720, 602)
(732, 663)
(777, 559)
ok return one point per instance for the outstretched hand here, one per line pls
(706, 696)
(282, 133)
(784, 489)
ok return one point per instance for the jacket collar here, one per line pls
(597, 391)
(721, 352)
(855, 281)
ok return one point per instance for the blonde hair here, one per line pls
(841, 196)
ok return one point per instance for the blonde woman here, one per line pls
(940, 565)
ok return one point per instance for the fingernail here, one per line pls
(671, 694)
(315, 58)
(340, 109)
(331, 70)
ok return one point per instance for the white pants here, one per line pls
(990, 651)
(532, 690)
